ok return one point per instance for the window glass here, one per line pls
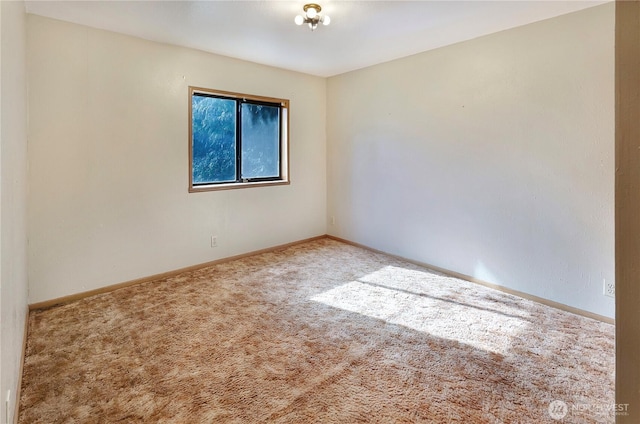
(260, 141)
(214, 139)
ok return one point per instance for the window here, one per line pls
(236, 140)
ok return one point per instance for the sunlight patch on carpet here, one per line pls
(428, 303)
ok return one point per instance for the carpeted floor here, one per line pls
(320, 332)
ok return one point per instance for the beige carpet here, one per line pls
(320, 332)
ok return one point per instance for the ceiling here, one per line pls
(362, 33)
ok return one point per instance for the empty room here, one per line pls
(332, 212)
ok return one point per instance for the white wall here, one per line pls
(492, 158)
(13, 198)
(108, 155)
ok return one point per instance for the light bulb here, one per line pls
(311, 12)
(326, 20)
(299, 20)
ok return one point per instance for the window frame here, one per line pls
(241, 98)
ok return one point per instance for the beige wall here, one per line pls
(108, 158)
(627, 207)
(13, 198)
(492, 158)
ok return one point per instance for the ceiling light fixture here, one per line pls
(312, 16)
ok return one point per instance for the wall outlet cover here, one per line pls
(609, 288)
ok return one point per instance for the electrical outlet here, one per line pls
(214, 241)
(333, 220)
(609, 288)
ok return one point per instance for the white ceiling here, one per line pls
(362, 33)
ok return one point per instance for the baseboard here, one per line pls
(16, 405)
(71, 298)
(77, 296)
(454, 274)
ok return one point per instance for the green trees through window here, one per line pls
(236, 138)
(214, 139)
(260, 141)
